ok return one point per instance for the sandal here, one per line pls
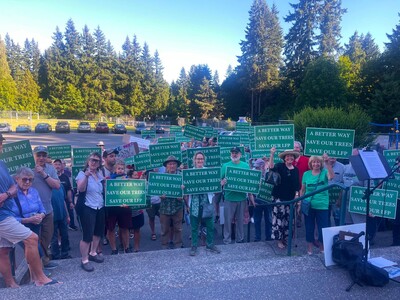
(281, 245)
(153, 237)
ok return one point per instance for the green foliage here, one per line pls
(8, 89)
(333, 117)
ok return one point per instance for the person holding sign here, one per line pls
(90, 181)
(235, 202)
(201, 209)
(317, 178)
(285, 191)
(171, 209)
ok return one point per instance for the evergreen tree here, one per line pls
(301, 40)
(330, 18)
(354, 49)
(370, 48)
(197, 74)
(8, 89)
(27, 98)
(161, 87)
(206, 101)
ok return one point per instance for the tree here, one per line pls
(27, 97)
(301, 40)
(370, 48)
(206, 101)
(8, 89)
(322, 85)
(261, 53)
(330, 17)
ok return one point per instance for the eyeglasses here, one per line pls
(26, 179)
(93, 160)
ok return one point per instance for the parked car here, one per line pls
(43, 128)
(119, 128)
(5, 127)
(226, 132)
(158, 128)
(84, 127)
(23, 128)
(102, 127)
(139, 127)
(62, 126)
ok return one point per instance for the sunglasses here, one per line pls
(93, 160)
(26, 179)
(41, 155)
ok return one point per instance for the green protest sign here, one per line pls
(228, 140)
(382, 202)
(142, 161)
(209, 131)
(334, 194)
(259, 154)
(265, 192)
(129, 160)
(279, 136)
(163, 140)
(212, 154)
(125, 192)
(169, 185)
(225, 153)
(243, 127)
(175, 129)
(391, 156)
(59, 151)
(148, 133)
(75, 172)
(17, 155)
(182, 139)
(160, 152)
(184, 157)
(334, 142)
(201, 181)
(393, 183)
(80, 155)
(242, 180)
(198, 133)
(251, 138)
(244, 138)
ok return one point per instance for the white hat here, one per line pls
(101, 143)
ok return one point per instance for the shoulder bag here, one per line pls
(306, 205)
(80, 202)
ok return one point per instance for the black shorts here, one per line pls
(153, 211)
(137, 222)
(93, 222)
(120, 215)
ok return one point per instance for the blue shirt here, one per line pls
(58, 203)
(30, 204)
(5, 183)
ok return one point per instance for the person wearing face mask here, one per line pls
(235, 202)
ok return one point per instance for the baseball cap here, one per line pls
(110, 151)
(236, 149)
(38, 149)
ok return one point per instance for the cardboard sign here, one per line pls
(228, 140)
(391, 156)
(125, 191)
(80, 155)
(169, 185)
(382, 202)
(160, 152)
(242, 180)
(163, 140)
(127, 150)
(243, 127)
(59, 151)
(198, 133)
(212, 156)
(279, 136)
(265, 192)
(334, 142)
(17, 155)
(202, 181)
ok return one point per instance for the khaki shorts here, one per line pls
(12, 232)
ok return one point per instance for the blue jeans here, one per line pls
(258, 212)
(62, 227)
(321, 216)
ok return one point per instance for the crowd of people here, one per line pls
(39, 205)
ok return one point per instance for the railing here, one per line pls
(292, 203)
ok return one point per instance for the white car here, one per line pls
(5, 127)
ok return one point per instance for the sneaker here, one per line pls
(50, 266)
(96, 258)
(73, 228)
(240, 242)
(213, 248)
(193, 251)
(87, 267)
(114, 252)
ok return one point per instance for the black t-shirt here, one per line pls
(289, 185)
(64, 180)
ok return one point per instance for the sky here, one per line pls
(184, 32)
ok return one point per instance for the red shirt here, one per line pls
(302, 165)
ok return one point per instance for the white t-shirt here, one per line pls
(94, 190)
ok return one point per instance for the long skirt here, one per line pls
(280, 221)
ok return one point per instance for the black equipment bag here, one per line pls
(366, 273)
(345, 253)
